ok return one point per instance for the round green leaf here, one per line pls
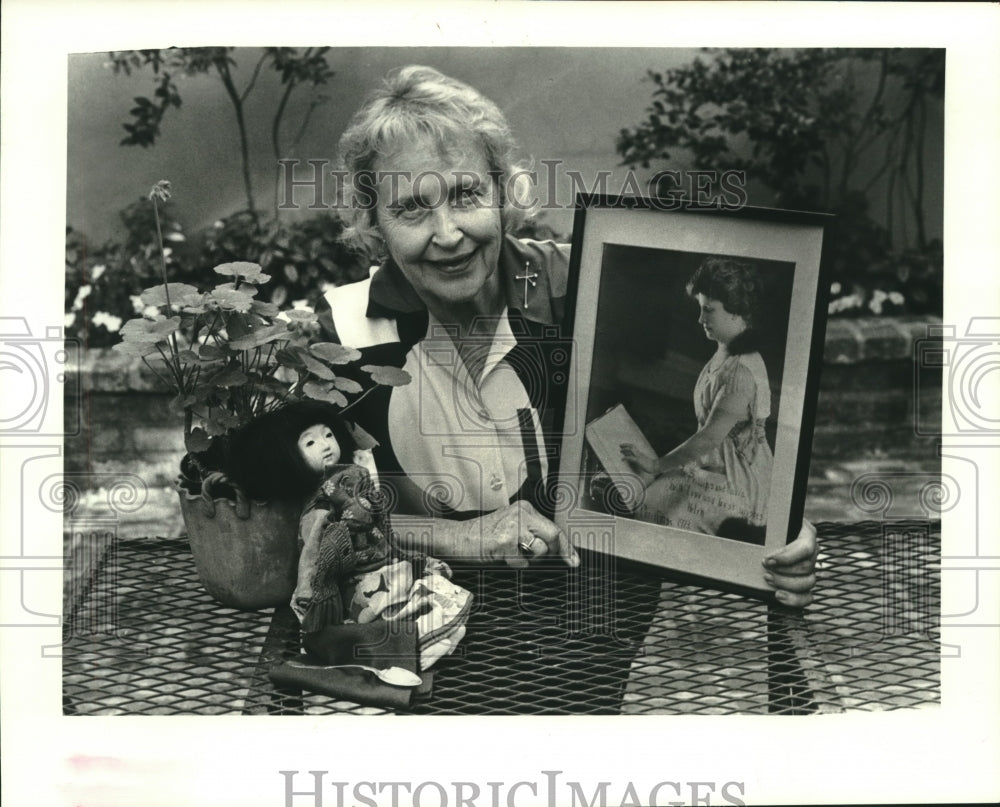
(333, 353)
(147, 330)
(197, 441)
(250, 272)
(246, 288)
(209, 352)
(390, 376)
(347, 385)
(181, 402)
(324, 392)
(133, 348)
(362, 439)
(290, 357)
(317, 368)
(261, 336)
(157, 295)
(262, 309)
(230, 377)
(229, 300)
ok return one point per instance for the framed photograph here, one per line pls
(698, 337)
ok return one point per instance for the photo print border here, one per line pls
(602, 502)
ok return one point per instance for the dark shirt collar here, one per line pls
(391, 294)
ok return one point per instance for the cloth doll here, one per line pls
(349, 569)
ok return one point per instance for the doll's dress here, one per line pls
(359, 577)
(726, 490)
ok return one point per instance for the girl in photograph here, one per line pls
(717, 480)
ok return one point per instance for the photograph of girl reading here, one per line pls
(706, 469)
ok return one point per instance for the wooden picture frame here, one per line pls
(651, 369)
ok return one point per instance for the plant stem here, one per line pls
(164, 381)
(172, 341)
(175, 371)
(359, 399)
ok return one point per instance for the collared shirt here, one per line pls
(450, 443)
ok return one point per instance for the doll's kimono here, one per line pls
(355, 575)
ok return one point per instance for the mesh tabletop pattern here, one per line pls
(869, 641)
(146, 639)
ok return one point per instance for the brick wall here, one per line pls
(126, 424)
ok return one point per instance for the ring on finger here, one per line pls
(527, 543)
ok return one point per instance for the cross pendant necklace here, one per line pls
(527, 277)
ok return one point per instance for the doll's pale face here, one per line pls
(319, 448)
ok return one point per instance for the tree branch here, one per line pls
(222, 66)
(253, 78)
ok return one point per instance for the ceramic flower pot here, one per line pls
(246, 552)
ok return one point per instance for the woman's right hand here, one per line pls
(639, 460)
(514, 535)
(517, 533)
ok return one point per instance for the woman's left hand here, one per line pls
(792, 570)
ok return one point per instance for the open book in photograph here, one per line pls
(605, 436)
(698, 335)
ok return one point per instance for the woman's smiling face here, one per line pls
(438, 212)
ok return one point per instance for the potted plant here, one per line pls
(229, 358)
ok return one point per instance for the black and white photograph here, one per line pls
(588, 374)
(697, 368)
(728, 315)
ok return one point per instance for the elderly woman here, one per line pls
(727, 462)
(472, 314)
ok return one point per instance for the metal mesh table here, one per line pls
(144, 638)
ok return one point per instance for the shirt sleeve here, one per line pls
(737, 391)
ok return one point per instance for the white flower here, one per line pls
(68, 320)
(174, 236)
(845, 303)
(835, 288)
(109, 321)
(167, 252)
(896, 298)
(138, 306)
(81, 294)
(97, 271)
(875, 303)
(151, 312)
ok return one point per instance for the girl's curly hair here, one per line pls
(735, 283)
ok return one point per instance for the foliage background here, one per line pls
(568, 104)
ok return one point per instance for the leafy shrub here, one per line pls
(303, 258)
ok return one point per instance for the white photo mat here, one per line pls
(768, 237)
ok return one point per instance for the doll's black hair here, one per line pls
(264, 459)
